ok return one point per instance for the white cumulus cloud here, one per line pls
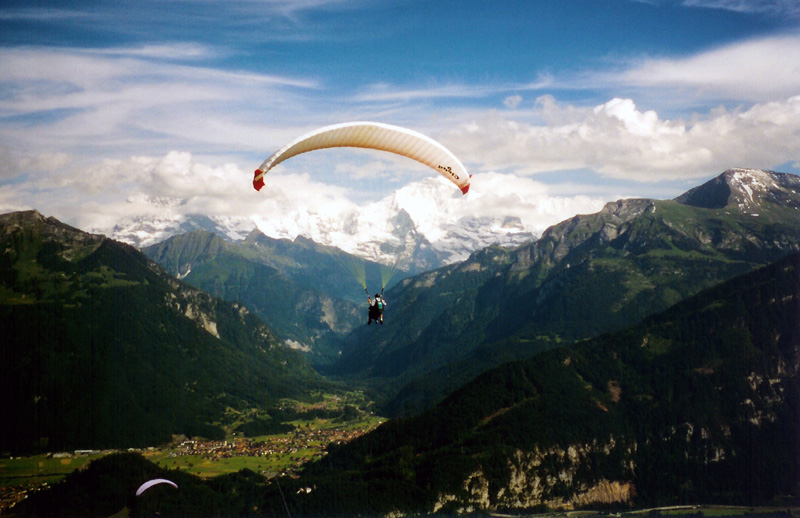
(618, 139)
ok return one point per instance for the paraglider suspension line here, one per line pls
(283, 498)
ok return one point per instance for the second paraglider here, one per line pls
(150, 483)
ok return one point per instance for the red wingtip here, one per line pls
(258, 183)
(465, 189)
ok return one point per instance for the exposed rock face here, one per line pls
(554, 477)
(605, 492)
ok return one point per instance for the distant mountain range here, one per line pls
(588, 275)
(585, 276)
(383, 232)
(103, 348)
(81, 298)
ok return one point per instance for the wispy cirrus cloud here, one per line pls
(384, 92)
(745, 111)
(45, 14)
(104, 98)
(768, 7)
(753, 70)
(135, 99)
(771, 7)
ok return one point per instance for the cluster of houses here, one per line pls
(306, 443)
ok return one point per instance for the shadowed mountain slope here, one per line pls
(700, 403)
(102, 348)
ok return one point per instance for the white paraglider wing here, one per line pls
(150, 483)
(373, 135)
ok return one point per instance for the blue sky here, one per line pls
(109, 108)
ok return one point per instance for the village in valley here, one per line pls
(273, 455)
(277, 455)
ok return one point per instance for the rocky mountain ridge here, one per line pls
(585, 276)
(745, 189)
(741, 191)
(399, 236)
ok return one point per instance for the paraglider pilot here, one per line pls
(376, 309)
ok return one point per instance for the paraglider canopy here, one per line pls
(373, 135)
(150, 483)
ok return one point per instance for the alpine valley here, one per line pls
(585, 276)
(647, 354)
(302, 290)
(699, 403)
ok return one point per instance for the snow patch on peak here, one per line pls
(745, 190)
(748, 186)
(752, 177)
(747, 171)
(148, 229)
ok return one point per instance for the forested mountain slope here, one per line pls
(103, 348)
(700, 403)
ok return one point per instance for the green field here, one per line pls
(203, 467)
(39, 469)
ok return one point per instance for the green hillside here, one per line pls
(102, 348)
(696, 405)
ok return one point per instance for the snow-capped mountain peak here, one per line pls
(422, 225)
(746, 190)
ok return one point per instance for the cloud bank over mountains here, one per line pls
(150, 199)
